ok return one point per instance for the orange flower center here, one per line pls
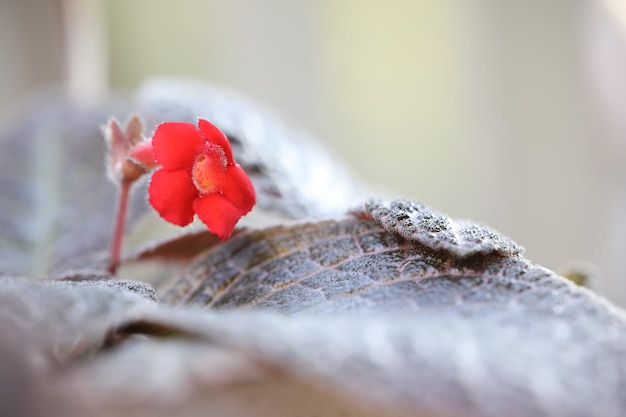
(206, 173)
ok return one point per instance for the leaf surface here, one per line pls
(61, 320)
(351, 319)
(57, 205)
(358, 264)
(385, 309)
(419, 223)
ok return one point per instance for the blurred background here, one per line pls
(510, 113)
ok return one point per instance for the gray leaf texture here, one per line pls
(57, 205)
(62, 320)
(353, 263)
(444, 364)
(293, 174)
(429, 327)
(416, 222)
(350, 315)
(46, 325)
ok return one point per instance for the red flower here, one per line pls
(198, 175)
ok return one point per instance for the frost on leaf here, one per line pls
(419, 223)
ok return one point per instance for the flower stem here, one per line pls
(120, 222)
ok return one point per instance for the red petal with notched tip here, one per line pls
(215, 136)
(172, 193)
(237, 187)
(177, 144)
(218, 213)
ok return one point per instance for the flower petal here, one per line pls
(144, 154)
(172, 193)
(237, 187)
(215, 136)
(176, 145)
(218, 213)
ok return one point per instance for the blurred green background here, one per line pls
(511, 113)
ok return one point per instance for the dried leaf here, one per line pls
(293, 174)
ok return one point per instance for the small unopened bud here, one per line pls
(129, 155)
(131, 171)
